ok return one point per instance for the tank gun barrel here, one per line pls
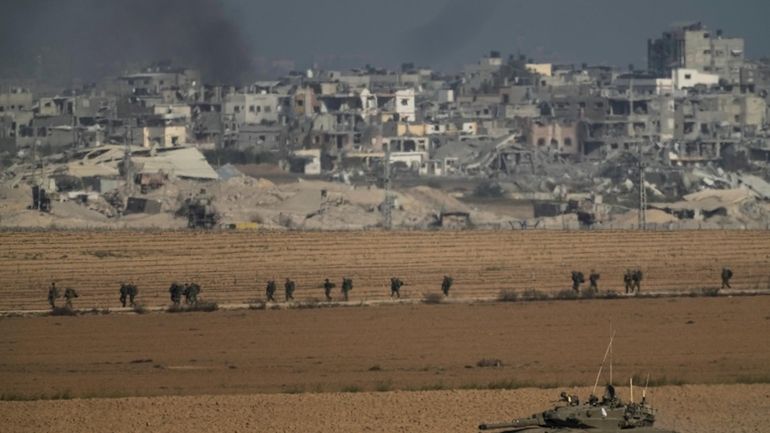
(516, 423)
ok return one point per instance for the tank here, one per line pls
(606, 415)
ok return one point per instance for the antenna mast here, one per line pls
(642, 193)
(598, 375)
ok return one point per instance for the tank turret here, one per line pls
(608, 415)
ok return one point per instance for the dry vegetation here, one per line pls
(233, 267)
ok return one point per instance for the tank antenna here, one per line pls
(631, 385)
(644, 391)
(612, 334)
(598, 375)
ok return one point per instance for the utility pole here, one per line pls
(642, 193)
(129, 139)
(387, 210)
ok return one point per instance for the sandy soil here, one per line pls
(690, 340)
(233, 267)
(688, 409)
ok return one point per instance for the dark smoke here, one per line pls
(90, 39)
(456, 24)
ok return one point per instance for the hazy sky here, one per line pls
(88, 39)
(447, 33)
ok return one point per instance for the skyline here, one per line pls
(226, 38)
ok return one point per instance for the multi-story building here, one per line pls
(695, 47)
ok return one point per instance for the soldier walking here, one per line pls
(133, 291)
(191, 293)
(69, 295)
(636, 280)
(347, 286)
(123, 294)
(395, 287)
(328, 286)
(289, 287)
(175, 292)
(446, 284)
(593, 279)
(627, 280)
(577, 279)
(727, 273)
(270, 291)
(53, 294)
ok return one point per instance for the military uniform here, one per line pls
(289, 287)
(328, 286)
(593, 279)
(69, 295)
(446, 285)
(727, 273)
(347, 286)
(53, 295)
(395, 287)
(577, 279)
(133, 291)
(175, 292)
(270, 291)
(123, 294)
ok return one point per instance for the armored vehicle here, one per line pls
(608, 415)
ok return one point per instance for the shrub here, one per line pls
(432, 298)
(63, 311)
(351, 388)
(202, 306)
(488, 189)
(567, 295)
(489, 362)
(534, 295)
(508, 296)
(140, 309)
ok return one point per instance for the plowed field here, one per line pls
(233, 267)
(688, 409)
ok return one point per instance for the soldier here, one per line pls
(123, 294)
(133, 291)
(727, 273)
(593, 278)
(191, 293)
(577, 279)
(347, 286)
(636, 280)
(446, 284)
(175, 292)
(395, 287)
(328, 286)
(289, 287)
(69, 295)
(53, 294)
(270, 291)
(627, 280)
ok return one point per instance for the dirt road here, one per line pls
(548, 344)
(233, 267)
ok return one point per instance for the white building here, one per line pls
(252, 108)
(405, 105)
(689, 78)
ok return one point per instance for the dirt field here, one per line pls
(688, 409)
(233, 267)
(412, 347)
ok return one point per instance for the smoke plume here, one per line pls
(89, 39)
